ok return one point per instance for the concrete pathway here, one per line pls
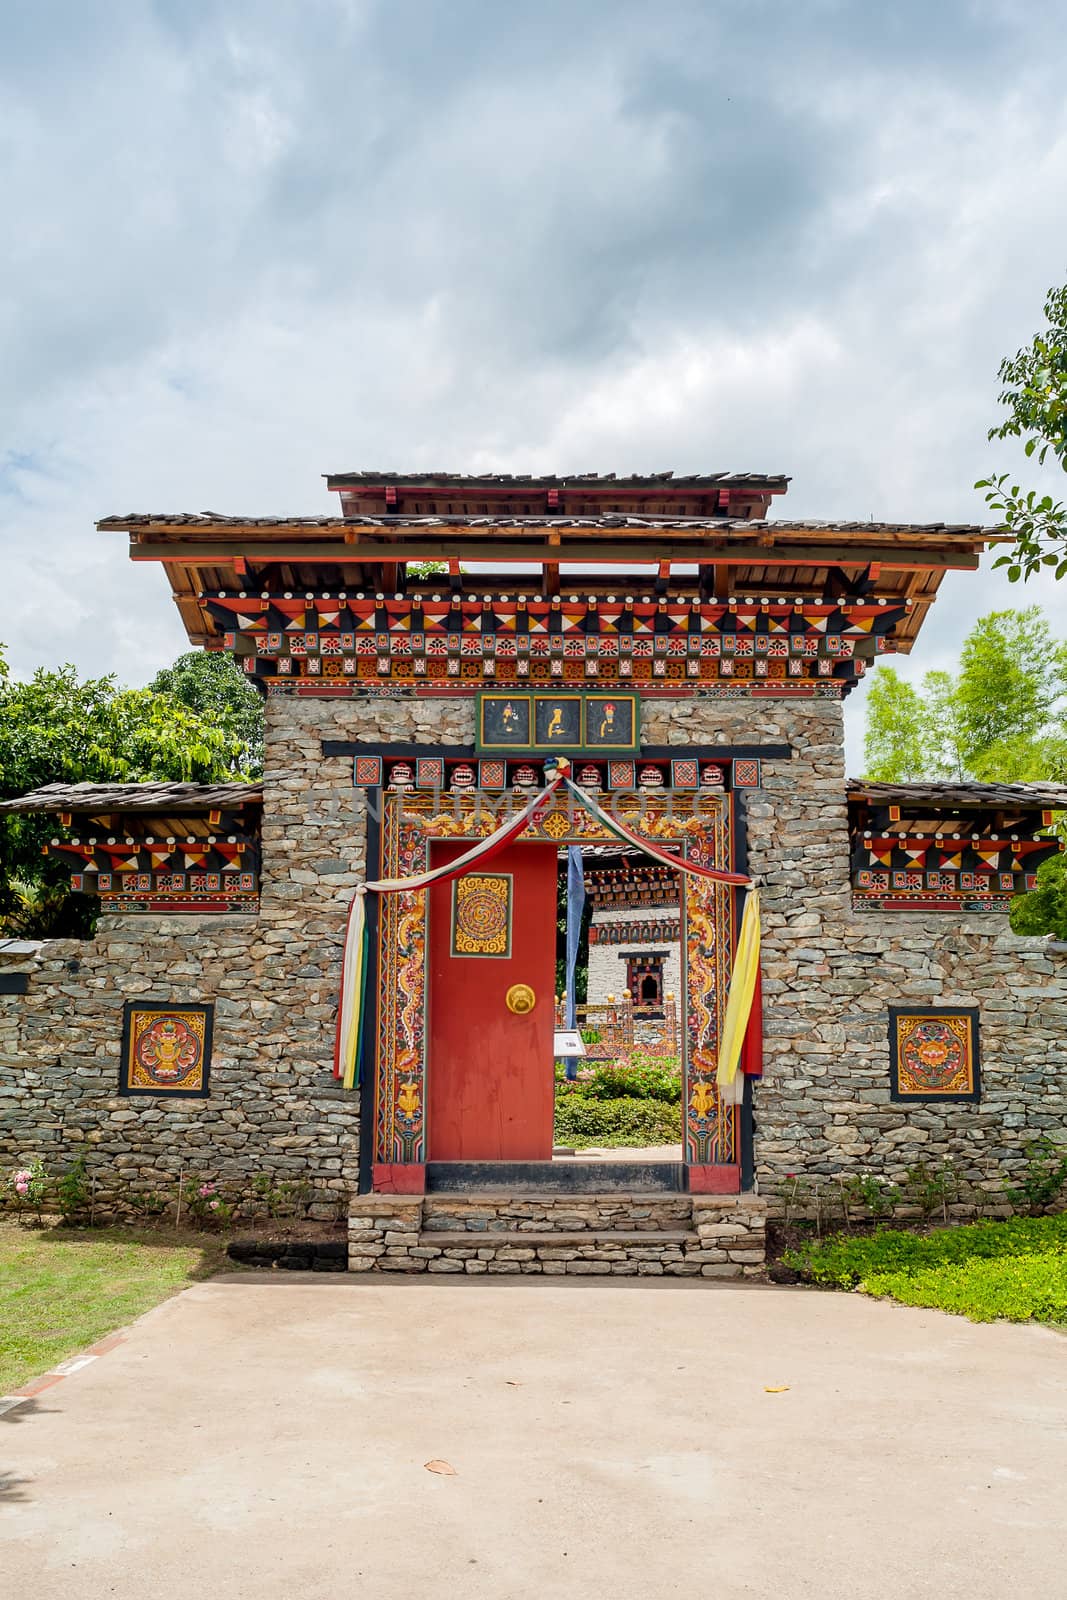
(268, 1438)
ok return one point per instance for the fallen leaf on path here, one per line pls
(445, 1468)
(781, 1388)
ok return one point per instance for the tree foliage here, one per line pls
(211, 684)
(1035, 395)
(1044, 910)
(59, 728)
(896, 742)
(1001, 718)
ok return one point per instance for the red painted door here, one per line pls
(491, 1085)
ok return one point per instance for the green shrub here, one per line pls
(1015, 1269)
(844, 1261)
(880, 1198)
(72, 1191)
(931, 1188)
(645, 1082)
(287, 1199)
(613, 1123)
(1043, 1178)
(1019, 1288)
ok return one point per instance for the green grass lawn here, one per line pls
(1014, 1270)
(62, 1289)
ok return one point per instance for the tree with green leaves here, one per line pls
(1035, 395)
(1044, 910)
(1002, 718)
(896, 741)
(58, 728)
(213, 685)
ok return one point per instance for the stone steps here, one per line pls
(711, 1236)
(531, 1212)
(570, 1177)
(496, 1239)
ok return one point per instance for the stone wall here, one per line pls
(274, 1106)
(830, 974)
(822, 1109)
(682, 1236)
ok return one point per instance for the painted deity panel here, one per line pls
(934, 1053)
(558, 721)
(610, 721)
(166, 1049)
(504, 722)
(565, 720)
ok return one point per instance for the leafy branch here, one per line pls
(1035, 395)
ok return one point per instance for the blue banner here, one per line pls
(575, 907)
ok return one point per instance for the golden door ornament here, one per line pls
(520, 999)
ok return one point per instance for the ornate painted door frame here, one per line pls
(701, 823)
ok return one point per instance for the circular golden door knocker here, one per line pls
(520, 998)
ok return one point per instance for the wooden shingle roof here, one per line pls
(963, 796)
(562, 480)
(91, 798)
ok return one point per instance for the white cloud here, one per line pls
(253, 244)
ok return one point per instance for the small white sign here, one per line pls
(568, 1044)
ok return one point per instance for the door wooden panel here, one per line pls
(491, 1088)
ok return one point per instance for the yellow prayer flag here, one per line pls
(739, 1002)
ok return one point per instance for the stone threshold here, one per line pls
(560, 1177)
(701, 1235)
(468, 1238)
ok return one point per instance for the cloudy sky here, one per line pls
(247, 244)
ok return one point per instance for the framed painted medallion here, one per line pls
(481, 914)
(166, 1049)
(933, 1053)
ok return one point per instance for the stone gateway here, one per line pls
(689, 655)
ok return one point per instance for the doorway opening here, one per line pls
(621, 1099)
(466, 1000)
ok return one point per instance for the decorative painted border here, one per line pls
(968, 1016)
(699, 822)
(963, 906)
(455, 643)
(460, 886)
(607, 774)
(204, 1008)
(367, 771)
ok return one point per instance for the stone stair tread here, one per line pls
(483, 1237)
(447, 1200)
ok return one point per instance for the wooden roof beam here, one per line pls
(593, 552)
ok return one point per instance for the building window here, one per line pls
(644, 976)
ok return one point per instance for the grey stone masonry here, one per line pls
(710, 1236)
(274, 1106)
(823, 1108)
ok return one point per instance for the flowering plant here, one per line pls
(30, 1186)
(207, 1207)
